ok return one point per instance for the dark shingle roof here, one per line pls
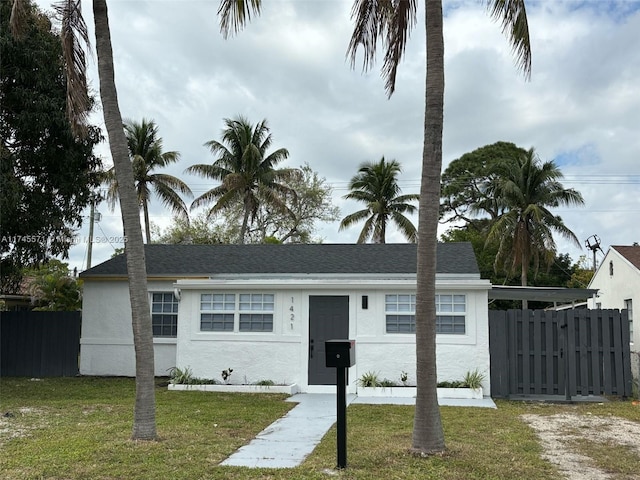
(199, 260)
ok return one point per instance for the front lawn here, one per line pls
(79, 428)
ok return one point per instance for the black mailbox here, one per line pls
(340, 353)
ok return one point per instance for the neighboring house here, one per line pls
(266, 310)
(20, 300)
(618, 282)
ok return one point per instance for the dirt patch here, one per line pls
(558, 432)
(18, 424)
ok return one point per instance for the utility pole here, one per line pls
(91, 220)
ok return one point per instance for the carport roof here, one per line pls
(198, 260)
(540, 294)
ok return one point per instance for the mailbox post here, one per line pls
(341, 354)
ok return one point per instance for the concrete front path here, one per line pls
(289, 440)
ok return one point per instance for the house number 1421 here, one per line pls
(293, 315)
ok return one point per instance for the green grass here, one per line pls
(80, 428)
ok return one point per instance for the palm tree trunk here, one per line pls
(245, 222)
(147, 226)
(428, 436)
(144, 422)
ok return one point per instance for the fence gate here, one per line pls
(564, 353)
(39, 344)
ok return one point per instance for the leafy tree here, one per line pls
(469, 183)
(528, 188)
(581, 274)
(198, 231)
(247, 172)
(74, 36)
(392, 21)
(147, 155)
(376, 185)
(308, 201)
(559, 273)
(47, 174)
(53, 289)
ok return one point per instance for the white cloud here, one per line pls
(289, 67)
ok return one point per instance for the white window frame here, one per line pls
(231, 309)
(450, 308)
(446, 311)
(162, 312)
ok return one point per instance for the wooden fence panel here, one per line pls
(39, 344)
(571, 352)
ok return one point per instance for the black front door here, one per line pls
(328, 320)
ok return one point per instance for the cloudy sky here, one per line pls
(580, 108)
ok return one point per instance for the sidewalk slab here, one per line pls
(289, 440)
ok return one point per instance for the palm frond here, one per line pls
(75, 38)
(390, 19)
(406, 227)
(513, 16)
(170, 199)
(234, 14)
(352, 218)
(208, 197)
(172, 182)
(370, 19)
(367, 230)
(398, 32)
(109, 180)
(214, 172)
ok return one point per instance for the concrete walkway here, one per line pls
(289, 440)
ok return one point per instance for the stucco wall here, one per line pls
(281, 355)
(613, 290)
(106, 343)
(388, 355)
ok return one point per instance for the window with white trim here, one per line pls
(400, 311)
(231, 312)
(451, 313)
(164, 314)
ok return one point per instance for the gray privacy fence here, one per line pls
(39, 344)
(564, 353)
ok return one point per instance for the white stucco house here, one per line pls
(266, 310)
(618, 282)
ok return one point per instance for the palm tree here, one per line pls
(145, 150)
(528, 188)
(392, 20)
(246, 171)
(376, 186)
(74, 37)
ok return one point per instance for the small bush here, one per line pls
(471, 380)
(474, 379)
(178, 376)
(387, 383)
(265, 383)
(451, 384)
(369, 379)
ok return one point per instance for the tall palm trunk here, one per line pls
(144, 422)
(428, 436)
(147, 223)
(245, 220)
